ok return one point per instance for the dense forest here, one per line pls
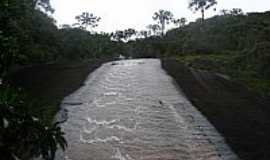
(30, 36)
(233, 43)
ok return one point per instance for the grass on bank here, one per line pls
(230, 65)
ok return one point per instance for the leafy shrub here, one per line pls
(259, 56)
(23, 136)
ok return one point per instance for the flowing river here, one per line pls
(132, 110)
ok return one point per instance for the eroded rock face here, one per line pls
(131, 110)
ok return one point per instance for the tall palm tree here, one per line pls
(86, 20)
(201, 5)
(163, 17)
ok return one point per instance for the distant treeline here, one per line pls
(245, 38)
(29, 35)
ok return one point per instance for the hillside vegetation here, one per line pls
(29, 35)
(236, 44)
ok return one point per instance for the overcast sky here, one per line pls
(122, 14)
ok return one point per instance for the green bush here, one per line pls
(259, 57)
(22, 135)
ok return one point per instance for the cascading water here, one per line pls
(131, 110)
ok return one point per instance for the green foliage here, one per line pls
(129, 33)
(77, 44)
(86, 20)
(164, 18)
(22, 135)
(232, 12)
(43, 4)
(29, 36)
(238, 41)
(259, 59)
(124, 35)
(180, 22)
(236, 66)
(154, 29)
(201, 5)
(8, 53)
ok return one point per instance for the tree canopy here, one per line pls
(86, 20)
(164, 18)
(201, 5)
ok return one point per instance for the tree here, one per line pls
(128, 33)
(8, 53)
(124, 35)
(65, 26)
(144, 34)
(42, 4)
(232, 12)
(154, 28)
(86, 20)
(201, 5)
(236, 11)
(23, 135)
(118, 35)
(180, 22)
(164, 18)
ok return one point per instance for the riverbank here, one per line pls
(48, 84)
(232, 65)
(241, 116)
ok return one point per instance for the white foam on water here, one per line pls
(111, 94)
(87, 131)
(101, 123)
(119, 156)
(98, 102)
(100, 140)
(67, 158)
(120, 128)
(107, 124)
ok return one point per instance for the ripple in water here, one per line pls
(136, 113)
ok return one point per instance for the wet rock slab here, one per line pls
(131, 110)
